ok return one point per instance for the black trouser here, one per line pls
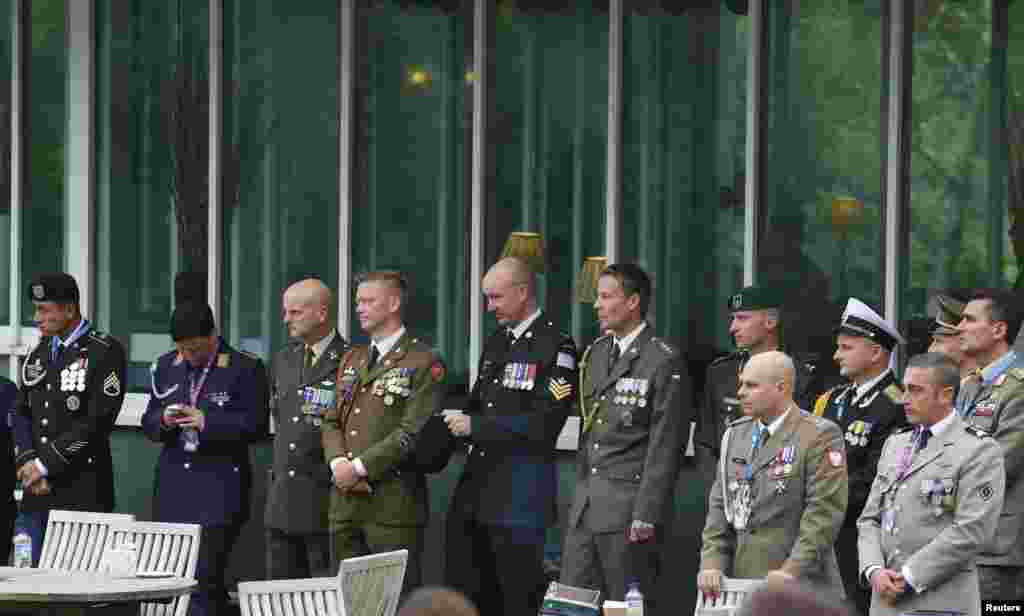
(211, 597)
(849, 565)
(498, 567)
(293, 555)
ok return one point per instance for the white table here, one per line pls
(27, 590)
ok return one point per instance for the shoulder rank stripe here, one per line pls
(822, 403)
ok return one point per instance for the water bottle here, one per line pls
(634, 600)
(22, 550)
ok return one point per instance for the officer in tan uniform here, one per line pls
(781, 491)
(992, 398)
(934, 503)
(633, 388)
(386, 391)
(945, 336)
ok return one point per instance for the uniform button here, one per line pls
(495, 380)
(353, 433)
(596, 446)
(363, 390)
(357, 411)
(291, 446)
(295, 419)
(291, 473)
(490, 404)
(42, 439)
(600, 421)
(593, 471)
(47, 404)
(49, 387)
(45, 421)
(89, 460)
(187, 466)
(236, 469)
(604, 397)
(482, 453)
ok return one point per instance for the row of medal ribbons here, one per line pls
(631, 391)
(519, 376)
(72, 378)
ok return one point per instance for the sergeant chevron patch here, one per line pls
(560, 388)
(112, 385)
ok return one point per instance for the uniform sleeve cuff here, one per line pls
(909, 579)
(360, 468)
(869, 571)
(335, 462)
(41, 467)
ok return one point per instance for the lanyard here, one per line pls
(908, 454)
(56, 343)
(196, 387)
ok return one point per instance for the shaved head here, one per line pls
(766, 385)
(307, 310)
(510, 288)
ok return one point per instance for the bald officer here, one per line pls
(302, 390)
(505, 500)
(633, 388)
(386, 391)
(780, 494)
(72, 389)
(934, 504)
(867, 409)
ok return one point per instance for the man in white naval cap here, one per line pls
(867, 410)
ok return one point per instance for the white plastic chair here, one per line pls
(365, 586)
(728, 603)
(75, 540)
(161, 547)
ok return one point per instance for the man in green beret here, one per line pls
(755, 326)
(945, 336)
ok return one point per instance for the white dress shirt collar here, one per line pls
(626, 341)
(384, 345)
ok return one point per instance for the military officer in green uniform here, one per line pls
(780, 493)
(755, 327)
(385, 392)
(867, 409)
(633, 387)
(72, 389)
(992, 398)
(303, 387)
(934, 504)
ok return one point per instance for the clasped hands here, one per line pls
(890, 585)
(347, 478)
(181, 416)
(32, 479)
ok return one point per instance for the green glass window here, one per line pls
(280, 167)
(151, 108)
(42, 213)
(825, 143)
(411, 153)
(963, 98)
(548, 133)
(683, 170)
(5, 156)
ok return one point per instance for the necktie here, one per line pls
(374, 356)
(309, 359)
(925, 435)
(762, 436)
(614, 357)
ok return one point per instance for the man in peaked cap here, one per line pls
(867, 409)
(945, 337)
(207, 404)
(72, 389)
(756, 327)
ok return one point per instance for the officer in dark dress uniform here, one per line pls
(298, 496)
(505, 500)
(71, 394)
(8, 508)
(208, 404)
(867, 409)
(755, 327)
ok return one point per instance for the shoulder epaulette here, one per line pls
(664, 346)
(894, 393)
(721, 360)
(99, 336)
(976, 431)
(740, 421)
(822, 402)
